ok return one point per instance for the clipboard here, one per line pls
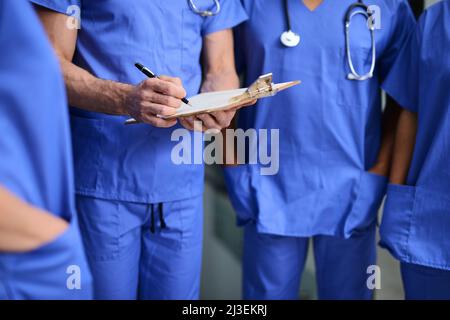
(225, 100)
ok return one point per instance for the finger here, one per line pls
(189, 120)
(209, 121)
(196, 123)
(158, 122)
(223, 118)
(247, 104)
(165, 87)
(187, 124)
(161, 99)
(153, 109)
(251, 103)
(174, 80)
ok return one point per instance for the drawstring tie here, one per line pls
(161, 217)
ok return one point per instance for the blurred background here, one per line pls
(222, 274)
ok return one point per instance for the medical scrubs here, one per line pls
(141, 214)
(330, 132)
(35, 159)
(416, 220)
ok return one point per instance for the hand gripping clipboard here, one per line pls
(226, 100)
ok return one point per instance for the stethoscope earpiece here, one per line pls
(290, 39)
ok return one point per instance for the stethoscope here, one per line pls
(291, 39)
(205, 13)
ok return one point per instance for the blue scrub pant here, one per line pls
(143, 251)
(273, 265)
(425, 283)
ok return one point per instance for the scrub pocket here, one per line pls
(101, 222)
(372, 188)
(56, 271)
(397, 219)
(415, 226)
(352, 93)
(86, 142)
(429, 242)
(241, 192)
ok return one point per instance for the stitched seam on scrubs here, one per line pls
(428, 264)
(118, 231)
(405, 247)
(182, 224)
(184, 21)
(355, 203)
(423, 261)
(130, 198)
(99, 159)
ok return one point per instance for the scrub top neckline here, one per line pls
(315, 10)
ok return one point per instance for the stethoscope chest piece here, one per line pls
(290, 39)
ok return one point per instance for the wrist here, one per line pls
(216, 81)
(398, 177)
(121, 97)
(380, 168)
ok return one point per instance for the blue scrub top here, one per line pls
(416, 220)
(35, 150)
(330, 127)
(133, 163)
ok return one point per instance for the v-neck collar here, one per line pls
(318, 8)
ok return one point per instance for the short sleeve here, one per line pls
(402, 81)
(403, 24)
(232, 13)
(61, 6)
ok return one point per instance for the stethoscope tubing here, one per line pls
(350, 13)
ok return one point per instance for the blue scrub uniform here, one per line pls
(330, 130)
(416, 220)
(140, 212)
(36, 159)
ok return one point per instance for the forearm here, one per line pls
(90, 93)
(217, 81)
(144, 101)
(389, 125)
(218, 77)
(219, 67)
(23, 227)
(404, 147)
(84, 90)
(219, 74)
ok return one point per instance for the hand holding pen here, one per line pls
(153, 97)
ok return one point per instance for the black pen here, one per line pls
(150, 74)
